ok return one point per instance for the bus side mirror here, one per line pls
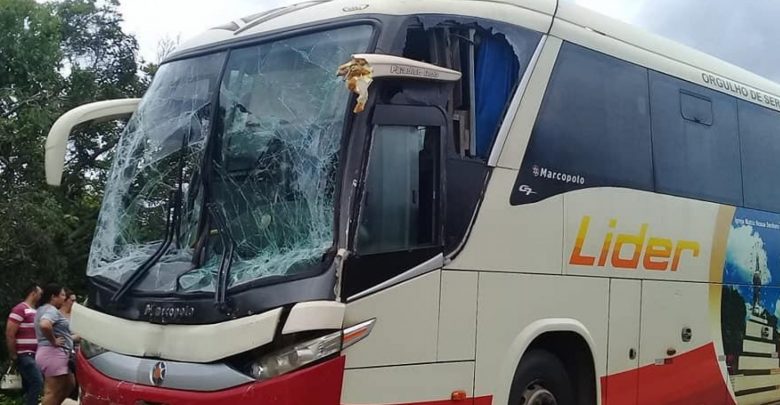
(57, 140)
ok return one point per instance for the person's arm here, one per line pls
(47, 329)
(11, 327)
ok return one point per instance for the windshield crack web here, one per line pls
(276, 173)
(271, 166)
(165, 138)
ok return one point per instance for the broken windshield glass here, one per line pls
(269, 166)
(163, 140)
(274, 173)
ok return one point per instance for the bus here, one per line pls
(435, 202)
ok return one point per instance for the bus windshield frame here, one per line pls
(200, 153)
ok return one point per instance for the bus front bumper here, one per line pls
(316, 385)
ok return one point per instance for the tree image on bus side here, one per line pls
(750, 305)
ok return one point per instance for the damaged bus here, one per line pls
(435, 202)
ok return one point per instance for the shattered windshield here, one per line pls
(160, 148)
(262, 181)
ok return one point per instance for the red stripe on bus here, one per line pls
(316, 385)
(693, 377)
(486, 400)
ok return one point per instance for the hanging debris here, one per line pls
(357, 73)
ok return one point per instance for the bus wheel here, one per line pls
(541, 379)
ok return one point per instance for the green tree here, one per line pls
(103, 65)
(30, 57)
(53, 57)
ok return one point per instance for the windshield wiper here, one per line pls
(229, 244)
(212, 210)
(171, 221)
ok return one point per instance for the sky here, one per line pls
(742, 32)
(154, 20)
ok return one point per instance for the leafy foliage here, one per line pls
(54, 57)
(10, 399)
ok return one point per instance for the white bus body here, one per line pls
(625, 217)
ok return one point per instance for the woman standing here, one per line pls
(66, 309)
(67, 306)
(54, 345)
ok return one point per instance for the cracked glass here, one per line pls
(158, 152)
(256, 191)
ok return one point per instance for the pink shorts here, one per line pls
(53, 361)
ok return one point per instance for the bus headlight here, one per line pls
(296, 356)
(90, 350)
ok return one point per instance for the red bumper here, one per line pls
(318, 385)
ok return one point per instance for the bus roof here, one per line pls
(566, 20)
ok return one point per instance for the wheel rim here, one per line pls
(536, 394)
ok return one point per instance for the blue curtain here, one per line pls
(496, 72)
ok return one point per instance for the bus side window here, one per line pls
(593, 129)
(696, 108)
(400, 209)
(695, 141)
(759, 129)
(492, 61)
(491, 71)
(399, 224)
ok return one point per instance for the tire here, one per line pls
(541, 379)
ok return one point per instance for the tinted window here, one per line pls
(694, 107)
(400, 209)
(593, 128)
(695, 141)
(760, 133)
